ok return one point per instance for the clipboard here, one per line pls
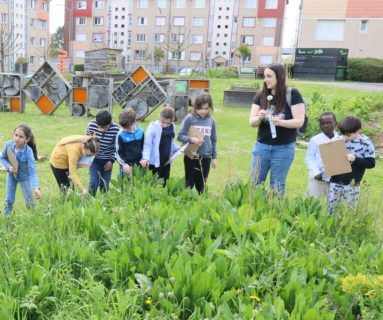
(177, 153)
(334, 157)
(12, 160)
(85, 161)
(191, 149)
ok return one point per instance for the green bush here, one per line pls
(78, 67)
(222, 72)
(366, 69)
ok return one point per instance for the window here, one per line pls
(197, 39)
(266, 59)
(98, 37)
(363, 26)
(33, 23)
(198, 22)
(42, 42)
(330, 30)
(180, 3)
(248, 22)
(81, 37)
(80, 54)
(31, 60)
(143, 4)
(32, 41)
(159, 37)
(33, 4)
(250, 4)
(44, 6)
(142, 21)
(81, 21)
(270, 22)
(268, 41)
(179, 21)
(249, 40)
(43, 24)
(271, 4)
(81, 5)
(4, 18)
(161, 4)
(139, 54)
(98, 21)
(98, 4)
(160, 21)
(141, 37)
(176, 55)
(199, 4)
(42, 60)
(195, 56)
(247, 59)
(177, 38)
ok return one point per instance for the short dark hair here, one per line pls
(328, 114)
(167, 113)
(127, 117)
(349, 124)
(103, 118)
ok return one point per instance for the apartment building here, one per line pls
(175, 34)
(24, 25)
(353, 24)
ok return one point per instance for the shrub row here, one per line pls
(366, 69)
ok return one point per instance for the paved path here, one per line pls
(364, 86)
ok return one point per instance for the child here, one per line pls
(361, 154)
(100, 170)
(25, 173)
(197, 170)
(318, 181)
(159, 144)
(65, 157)
(129, 142)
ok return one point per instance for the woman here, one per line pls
(65, 157)
(275, 152)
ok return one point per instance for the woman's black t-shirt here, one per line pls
(284, 135)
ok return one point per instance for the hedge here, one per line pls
(365, 69)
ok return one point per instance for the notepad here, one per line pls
(12, 160)
(334, 157)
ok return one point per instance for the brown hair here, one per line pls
(30, 138)
(349, 125)
(167, 113)
(127, 117)
(91, 144)
(202, 99)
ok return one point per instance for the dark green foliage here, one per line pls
(365, 69)
(78, 67)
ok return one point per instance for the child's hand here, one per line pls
(108, 165)
(127, 168)
(144, 163)
(318, 177)
(37, 194)
(214, 163)
(198, 142)
(351, 157)
(12, 170)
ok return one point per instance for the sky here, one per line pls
(57, 9)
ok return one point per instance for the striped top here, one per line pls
(107, 140)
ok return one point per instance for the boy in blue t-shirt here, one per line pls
(129, 142)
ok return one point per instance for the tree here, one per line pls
(57, 42)
(7, 42)
(159, 54)
(243, 52)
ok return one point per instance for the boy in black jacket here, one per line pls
(361, 154)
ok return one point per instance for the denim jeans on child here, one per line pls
(99, 177)
(26, 186)
(274, 158)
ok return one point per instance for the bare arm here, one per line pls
(256, 115)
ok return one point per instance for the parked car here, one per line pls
(190, 71)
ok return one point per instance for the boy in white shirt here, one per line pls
(318, 181)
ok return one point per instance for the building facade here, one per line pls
(168, 35)
(356, 25)
(24, 27)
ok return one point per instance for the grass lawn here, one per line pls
(235, 142)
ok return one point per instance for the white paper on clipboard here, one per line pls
(177, 153)
(85, 161)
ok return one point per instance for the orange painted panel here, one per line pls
(15, 104)
(45, 105)
(79, 95)
(139, 75)
(365, 9)
(197, 84)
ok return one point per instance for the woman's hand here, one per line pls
(262, 114)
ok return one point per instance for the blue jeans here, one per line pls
(11, 186)
(277, 159)
(99, 177)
